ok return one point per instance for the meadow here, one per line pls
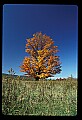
(39, 98)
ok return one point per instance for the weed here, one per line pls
(44, 98)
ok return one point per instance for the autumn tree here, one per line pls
(42, 61)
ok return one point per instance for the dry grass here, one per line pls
(55, 98)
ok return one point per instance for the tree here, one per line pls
(42, 61)
(11, 71)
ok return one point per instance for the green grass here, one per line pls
(44, 98)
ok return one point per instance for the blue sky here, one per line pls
(60, 22)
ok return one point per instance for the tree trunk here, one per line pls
(37, 78)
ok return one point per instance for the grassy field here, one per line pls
(43, 98)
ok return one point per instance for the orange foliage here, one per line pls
(42, 62)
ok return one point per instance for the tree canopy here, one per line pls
(42, 61)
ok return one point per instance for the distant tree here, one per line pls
(11, 71)
(42, 61)
(71, 76)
